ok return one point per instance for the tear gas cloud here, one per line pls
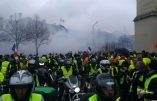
(75, 41)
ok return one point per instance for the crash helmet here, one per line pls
(105, 63)
(68, 62)
(21, 79)
(107, 87)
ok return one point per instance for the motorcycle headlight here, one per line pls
(41, 64)
(77, 89)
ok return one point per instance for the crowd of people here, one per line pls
(104, 76)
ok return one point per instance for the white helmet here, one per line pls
(104, 62)
(24, 79)
(21, 77)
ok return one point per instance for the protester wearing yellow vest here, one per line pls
(5, 66)
(93, 67)
(150, 86)
(21, 85)
(68, 69)
(137, 81)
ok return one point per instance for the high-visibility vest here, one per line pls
(92, 69)
(93, 98)
(118, 99)
(65, 72)
(33, 97)
(5, 64)
(146, 61)
(114, 69)
(99, 70)
(4, 67)
(132, 66)
(120, 62)
(146, 85)
(23, 66)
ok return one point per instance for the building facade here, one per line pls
(146, 26)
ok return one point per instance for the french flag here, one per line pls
(89, 50)
(14, 49)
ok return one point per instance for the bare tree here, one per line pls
(2, 36)
(16, 30)
(37, 32)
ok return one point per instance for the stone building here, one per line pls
(146, 26)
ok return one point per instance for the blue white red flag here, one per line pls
(89, 50)
(14, 49)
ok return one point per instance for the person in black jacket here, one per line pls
(106, 89)
(42, 76)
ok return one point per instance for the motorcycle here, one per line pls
(71, 89)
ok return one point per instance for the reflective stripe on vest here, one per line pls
(146, 84)
(65, 72)
(93, 98)
(34, 97)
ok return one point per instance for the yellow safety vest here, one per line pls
(120, 62)
(5, 63)
(93, 98)
(4, 67)
(112, 71)
(99, 70)
(33, 97)
(65, 72)
(23, 66)
(146, 85)
(92, 70)
(146, 61)
(132, 66)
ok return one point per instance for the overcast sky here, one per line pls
(112, 15)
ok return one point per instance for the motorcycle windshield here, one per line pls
(73, 80)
